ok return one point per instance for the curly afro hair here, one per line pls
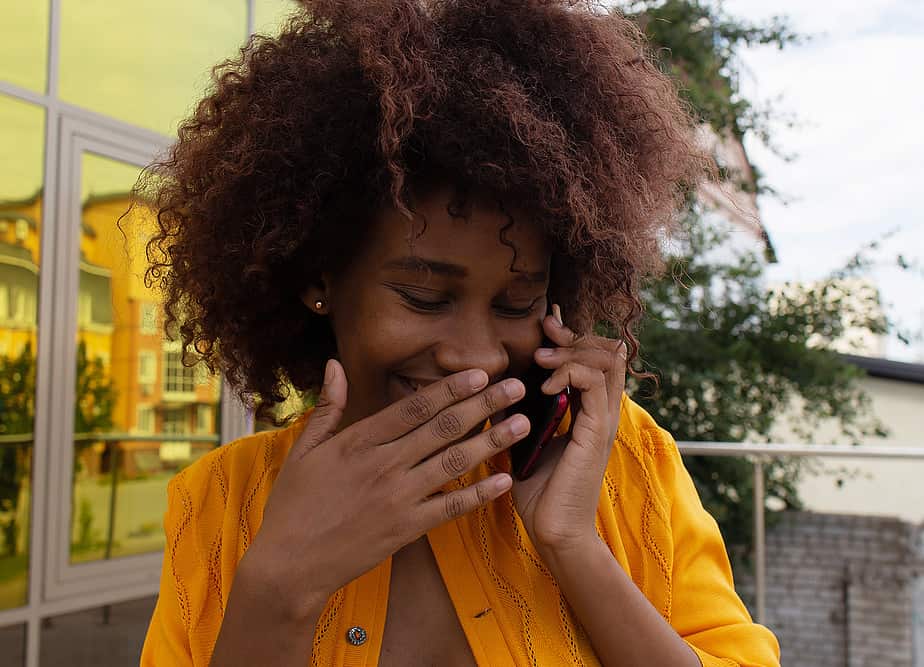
(304, 137)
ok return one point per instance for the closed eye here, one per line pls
(417, 303)
(507, 310)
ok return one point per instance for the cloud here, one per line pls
(859, 171)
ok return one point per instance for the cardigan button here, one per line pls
(356, 636)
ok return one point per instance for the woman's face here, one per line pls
(405, 316)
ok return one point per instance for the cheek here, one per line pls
(356, 333)
(372, 337)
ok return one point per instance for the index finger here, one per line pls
(556, 331)
(405, 415)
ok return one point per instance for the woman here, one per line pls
(387, 202)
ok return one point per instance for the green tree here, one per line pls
(17, 409)
(93, 409)
(96, 394)
(697, 44)
(730, 353)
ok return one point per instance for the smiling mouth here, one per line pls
(411, 384)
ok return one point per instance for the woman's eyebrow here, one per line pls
(409, 263)
(450, 270)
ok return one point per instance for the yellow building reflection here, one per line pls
(139, 414)
(138, 410)
(118, 321)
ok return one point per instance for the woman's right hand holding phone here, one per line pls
(344, 501)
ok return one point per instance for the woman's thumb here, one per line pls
(328, 410)
(334, 390)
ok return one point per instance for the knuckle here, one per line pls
(454, 391)
(447, 425)
(366, 440)
(417, 409)
(495, 439)
(481, 493)
(489, 402)
(455, 505)
(454, 461)
(381, 470)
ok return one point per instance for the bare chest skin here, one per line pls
(421, 628)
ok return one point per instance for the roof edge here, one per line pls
(887, 368)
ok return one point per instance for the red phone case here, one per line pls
(524, 461)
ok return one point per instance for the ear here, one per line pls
(316, 296)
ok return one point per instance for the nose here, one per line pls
(473, 342)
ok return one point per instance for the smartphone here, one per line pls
(544, 412)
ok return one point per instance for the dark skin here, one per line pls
(449, 304)
(430, 343)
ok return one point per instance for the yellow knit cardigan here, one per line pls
(508, 605)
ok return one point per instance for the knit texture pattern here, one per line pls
(649, 515)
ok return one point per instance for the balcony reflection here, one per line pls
(141, 413)
(22, 133)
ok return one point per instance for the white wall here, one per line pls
(884, 488)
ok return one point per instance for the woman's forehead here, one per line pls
(490, 235)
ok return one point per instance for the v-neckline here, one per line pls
(365, 604)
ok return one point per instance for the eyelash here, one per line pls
(436, 306)
(420, 304)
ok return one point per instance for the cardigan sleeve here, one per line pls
(705, 609)
(167, 639)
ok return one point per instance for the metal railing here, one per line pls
(27, 438)
(759, 454)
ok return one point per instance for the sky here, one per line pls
(857, 171)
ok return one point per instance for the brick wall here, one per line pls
(840, 589)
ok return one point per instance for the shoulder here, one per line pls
(639, 432)
(645, 455)
(233, 479)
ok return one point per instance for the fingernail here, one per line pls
(556, 312)
(329, 372)
(479, 380)
(514, 389)
(544, 352)
(519, 425)
(503, 483)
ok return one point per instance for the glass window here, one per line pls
(177, 377)
(24, 44)
(152, 61)
(120, 477)
(109, 636)
(13, 645)
(145, 419)
(269, 15)
(149, 319)
(22, 128)
(147, 368)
